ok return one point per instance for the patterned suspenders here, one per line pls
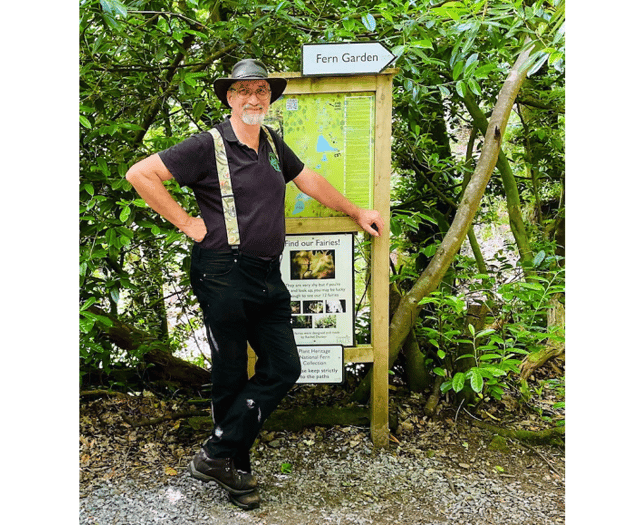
(226, 190)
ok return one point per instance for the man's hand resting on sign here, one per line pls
(370, 221)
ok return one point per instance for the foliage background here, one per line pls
(41, 93)
(145, 69)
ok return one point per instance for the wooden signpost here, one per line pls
(345, 134)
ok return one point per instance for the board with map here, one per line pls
(333, 134)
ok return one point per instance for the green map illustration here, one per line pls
(333, 134)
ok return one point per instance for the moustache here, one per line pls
(251, 106)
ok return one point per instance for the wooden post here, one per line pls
(380, 266)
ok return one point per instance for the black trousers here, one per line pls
(243, 299)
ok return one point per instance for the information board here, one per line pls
(340, 126)
(318, 271)
(321, 364)
(333, 134)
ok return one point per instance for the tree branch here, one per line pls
(410, 307)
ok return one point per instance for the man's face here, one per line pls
(249, 99)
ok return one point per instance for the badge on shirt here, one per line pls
(273, 160)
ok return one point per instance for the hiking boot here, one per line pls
(247, 501)
(222, 471)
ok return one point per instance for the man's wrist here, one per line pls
(184, 223)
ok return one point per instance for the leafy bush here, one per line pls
(519, 327)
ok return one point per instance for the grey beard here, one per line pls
(253, 119)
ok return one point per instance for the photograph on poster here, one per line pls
(313, 264)
(318, 271)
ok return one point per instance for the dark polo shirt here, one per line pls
(258, 188)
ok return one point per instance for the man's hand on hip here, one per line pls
(195, 228)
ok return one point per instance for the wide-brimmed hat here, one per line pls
(249, 69)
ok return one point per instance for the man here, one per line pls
(235, 270)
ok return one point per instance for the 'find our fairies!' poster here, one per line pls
(318, 271)
(333, 134)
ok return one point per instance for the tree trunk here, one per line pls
(554, 347)
(508, 181)
(417, 377)
(298, 418)
(161, 364)
(409, 307)
(541, 437)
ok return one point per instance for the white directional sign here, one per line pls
(355, 58)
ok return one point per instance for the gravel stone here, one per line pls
(365, 487)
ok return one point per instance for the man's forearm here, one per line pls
(147, 178)
(323, 191)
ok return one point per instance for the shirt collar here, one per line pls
(229, 134)
(227, 131)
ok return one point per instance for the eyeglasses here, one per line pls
(262, 92)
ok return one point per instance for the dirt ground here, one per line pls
(143, 439)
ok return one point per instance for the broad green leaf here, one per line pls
(398, 51)
(88, 303)
(445, 387)
(425, 43)
(474, 86)
(538, 64)
(439, 371)
(369, 22)
(457, 69)
(473, 59)
(461, 88)
(487, 357)
(483, 71)
(198, 109)
(106, 5)
(444, 90)
(85, 122)
(97, 318)
(86, 325)
(537, 260)
(458, 382)
(430, 250)
(124, 214)
(102, 165)
(493, 371)
(533, 286)
(119, 7)
(477, 382)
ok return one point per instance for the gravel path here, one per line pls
(341, 485)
